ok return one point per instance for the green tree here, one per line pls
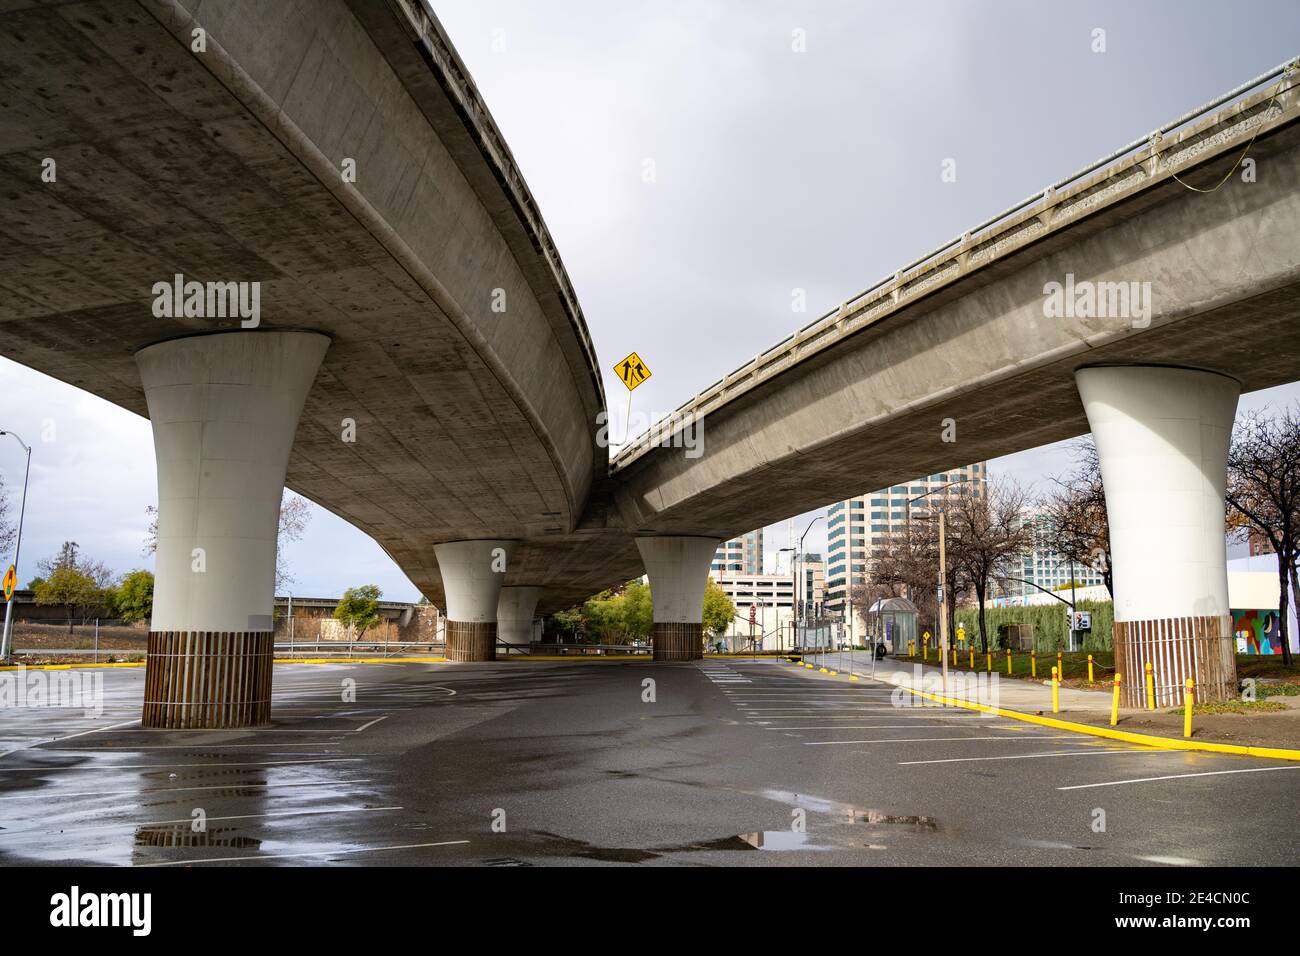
(73, 589)
(132, 599)
(602, 615)
(567, 622)
(72, 581)
(638, 611)
(719, 612)
(359, 608)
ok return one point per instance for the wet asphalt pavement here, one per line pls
(733, 762)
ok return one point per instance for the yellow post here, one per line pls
(1056, 692)
(1151, 688)
(1114, 702)
(972, 658)
(1089, 668)
(925, 650)
(1188, 695)
(1060, 668)
(988, 662)
(1008, 662)
(1033, 663)
(954, 655)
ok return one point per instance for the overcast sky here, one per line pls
(695, 169)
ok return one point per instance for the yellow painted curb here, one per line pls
(360, 660)
(575, 658)
(64, 667)
(1146, 740)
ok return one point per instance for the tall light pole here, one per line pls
(944, 596)
(6, 639)
(779, 628)
(797, 582)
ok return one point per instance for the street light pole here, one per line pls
(6, 639)
(943, 595)
(779, 629)
(796, 581)
(943, 607)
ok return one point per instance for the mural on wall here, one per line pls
(1257, 632)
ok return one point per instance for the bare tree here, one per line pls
(1075, 512)
(1263, 493)
(295, 514)
(987, 537)
(907, 563)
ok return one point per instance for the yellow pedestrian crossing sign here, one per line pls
(632, 371)
(10, 582)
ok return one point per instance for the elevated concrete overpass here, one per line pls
(420, 364)
(1134, 299)
(336, 154)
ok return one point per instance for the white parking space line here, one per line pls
(1176, 776)
(1111, 751)
(221, 786)
(179, 766)
(824, 727)
(858, 715)
(926, 740)
(135, 824)
(784, 729)
(286, 856)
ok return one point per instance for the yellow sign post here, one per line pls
(10, 582)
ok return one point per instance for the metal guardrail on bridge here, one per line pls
(1114, 177)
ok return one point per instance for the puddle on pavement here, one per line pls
(1051, 845)
(926, 824)
(850, 813)
(764, 840)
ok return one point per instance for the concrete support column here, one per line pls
(472, 574)
(679, 571)
(224, 409)
(1162, 436)
(515, 610)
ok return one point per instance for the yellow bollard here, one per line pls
(1008, 662)
(954, 657)
(988, 662)
(1089, 668)
(1188, 696)
(1114, 703)
(925, 651)
(1056, 692)
(1033, 663)
(972, 658)
(1060, 668)
(1151, 688)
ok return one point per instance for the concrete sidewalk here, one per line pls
(1024, 695)
(1276, 729)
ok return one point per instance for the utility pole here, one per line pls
(943, 608)
(942, 592)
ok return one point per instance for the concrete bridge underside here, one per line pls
(228, 165)
(1224, 274)
(420, 307)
